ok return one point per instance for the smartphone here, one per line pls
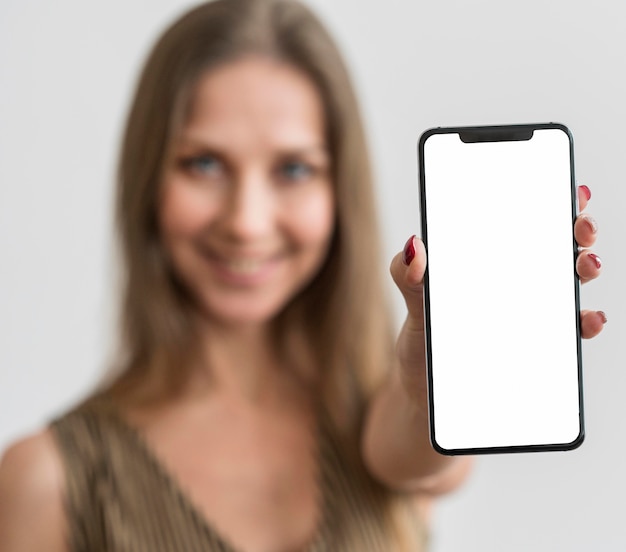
(501, 293)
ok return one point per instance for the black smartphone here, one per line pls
(501, 302)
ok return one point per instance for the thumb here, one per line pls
(407, 270)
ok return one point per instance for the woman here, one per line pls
(258, 402)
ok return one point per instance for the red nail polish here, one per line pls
(595, 259)
(586, 191)
(602, 316)
(409, 251)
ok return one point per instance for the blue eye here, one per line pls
(202, 164)
(295, 171)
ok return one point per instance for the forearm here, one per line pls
(396, 445)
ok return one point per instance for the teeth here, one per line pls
(244, 266)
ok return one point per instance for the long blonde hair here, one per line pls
(343, 312)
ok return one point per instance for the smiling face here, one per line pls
(246, 212)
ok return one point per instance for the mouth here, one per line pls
(243, 266)
(248, 270)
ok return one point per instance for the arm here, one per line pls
(396, 447)
(31, 505)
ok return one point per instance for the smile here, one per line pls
(244, 266)
(243, 271)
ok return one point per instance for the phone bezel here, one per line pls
(494, 133)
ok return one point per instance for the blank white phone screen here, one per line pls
(502, 291)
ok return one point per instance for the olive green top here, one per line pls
(120, 498)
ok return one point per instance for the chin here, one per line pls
(242, 312)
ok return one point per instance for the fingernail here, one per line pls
(595, 259)
(603, 316)
(409, 251)
(586, 191)
(591, 222)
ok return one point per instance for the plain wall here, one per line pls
(67, 69)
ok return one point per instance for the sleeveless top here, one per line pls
(120, 498)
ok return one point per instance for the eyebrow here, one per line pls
(187, 141)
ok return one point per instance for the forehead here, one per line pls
(256, 99)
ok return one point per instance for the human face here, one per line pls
(247, 206)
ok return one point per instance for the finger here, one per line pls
(584, 195)
(409, 277)
(588, 266)
(591, 323)
(585, 230)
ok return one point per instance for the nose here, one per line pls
(250, 208)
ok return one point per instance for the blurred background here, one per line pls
(67, 70)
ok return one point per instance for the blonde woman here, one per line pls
(259, 403)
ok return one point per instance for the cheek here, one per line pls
(313, 219)
(183, 210)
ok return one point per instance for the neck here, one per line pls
(244, 362)
(239, 360)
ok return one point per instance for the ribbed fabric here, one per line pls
(120, 498)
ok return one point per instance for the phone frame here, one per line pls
(497, 133)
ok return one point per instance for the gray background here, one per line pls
(66, 72)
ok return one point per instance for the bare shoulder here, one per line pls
(31, 487)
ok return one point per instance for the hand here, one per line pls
(407, 270)
(588, 264)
